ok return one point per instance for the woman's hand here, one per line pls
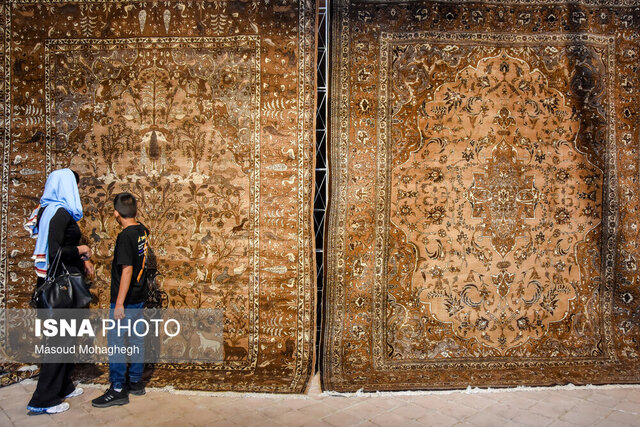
(89, 269)
(84, 251)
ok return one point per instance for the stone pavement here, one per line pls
(545, 407)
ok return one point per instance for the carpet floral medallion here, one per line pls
(483, 218)
(205, 112)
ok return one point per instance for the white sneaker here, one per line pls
(50, 410)
(77, 392)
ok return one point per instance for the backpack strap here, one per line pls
(144, 258)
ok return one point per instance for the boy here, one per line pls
(128, 292)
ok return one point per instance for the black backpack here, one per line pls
(156, 296)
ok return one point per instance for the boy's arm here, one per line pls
(125, 282)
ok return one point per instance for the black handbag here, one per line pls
(66, 290)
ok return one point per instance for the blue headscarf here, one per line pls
(60, 191)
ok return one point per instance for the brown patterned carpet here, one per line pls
(484, 213)
(11, 373)
(204, 111)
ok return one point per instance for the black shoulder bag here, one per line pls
(67, 290)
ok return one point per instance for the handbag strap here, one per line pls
(54, 266)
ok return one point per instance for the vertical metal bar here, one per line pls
(320, 201)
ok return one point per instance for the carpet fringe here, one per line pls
(241, 395)
(477, 390)
(361, 393)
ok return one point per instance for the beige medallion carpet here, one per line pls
(483, 217)
(205, 112)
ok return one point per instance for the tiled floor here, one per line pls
(554, 407)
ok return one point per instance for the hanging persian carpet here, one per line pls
(205, 112)
(11, 373)
(484, 203)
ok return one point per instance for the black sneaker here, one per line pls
(111, 398)
(136, 388)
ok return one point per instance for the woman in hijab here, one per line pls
(54, 226)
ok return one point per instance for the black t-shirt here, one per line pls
(129, 250)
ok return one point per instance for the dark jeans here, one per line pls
(118, 362)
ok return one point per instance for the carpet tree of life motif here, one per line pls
(165, 121)
(204, 112)
(481, 154)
